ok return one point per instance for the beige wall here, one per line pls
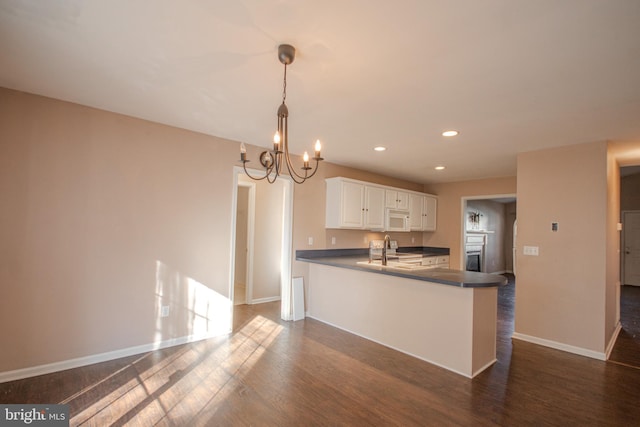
(105, 219)
(242, 235)
(449, 217)
(560, 293)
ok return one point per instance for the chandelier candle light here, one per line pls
(273, 160)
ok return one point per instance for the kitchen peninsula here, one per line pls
(443, 316)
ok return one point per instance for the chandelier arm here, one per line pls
(244, 166)
(291, 169)
(268, 172)
(315, 169)
(299, 179)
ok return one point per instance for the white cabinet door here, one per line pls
(396, 199)
(403, 200)
(429, 218)
(416, 211)
(352, 205)
(374, 207)
(344, 204)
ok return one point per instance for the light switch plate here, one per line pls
(530, 250)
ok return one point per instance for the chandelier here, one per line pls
(273, 160)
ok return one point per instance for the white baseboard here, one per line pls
(560, 346)
(263, 300)
(482, 368)
(49, 368)
(613, 339)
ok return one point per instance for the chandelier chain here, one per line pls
(284, 85)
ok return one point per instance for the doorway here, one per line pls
(488, 233)
(245, 222)
(631, 248)
(625, 349)
(262, 241)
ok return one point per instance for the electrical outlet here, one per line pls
(530, 250)
(333, 240)
(164, 311)
(310, 241)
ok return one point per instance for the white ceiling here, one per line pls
(510, 75)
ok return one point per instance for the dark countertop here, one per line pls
(349, 258)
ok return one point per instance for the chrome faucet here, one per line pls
(387, 244)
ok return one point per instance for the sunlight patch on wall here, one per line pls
(185, 307)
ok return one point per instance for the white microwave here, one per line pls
(396, 220)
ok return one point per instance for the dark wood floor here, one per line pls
(274, 373)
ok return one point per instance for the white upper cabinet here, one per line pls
(345, 204)
(396, 199)
(422, 212)
(354, 204)
(374, 207)
(416, 211)
(359, 205)
(429, 218)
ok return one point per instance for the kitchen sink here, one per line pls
(395, 265)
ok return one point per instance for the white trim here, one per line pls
(263, 300)
(286, 279)
(232, 242)
(473, 374)
(49, 368)
(560, 346)
(482, 368)
(613, 340)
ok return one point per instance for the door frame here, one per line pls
(286, 312)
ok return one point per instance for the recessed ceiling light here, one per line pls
(450, 133)
(439, 168)
(380, 148)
